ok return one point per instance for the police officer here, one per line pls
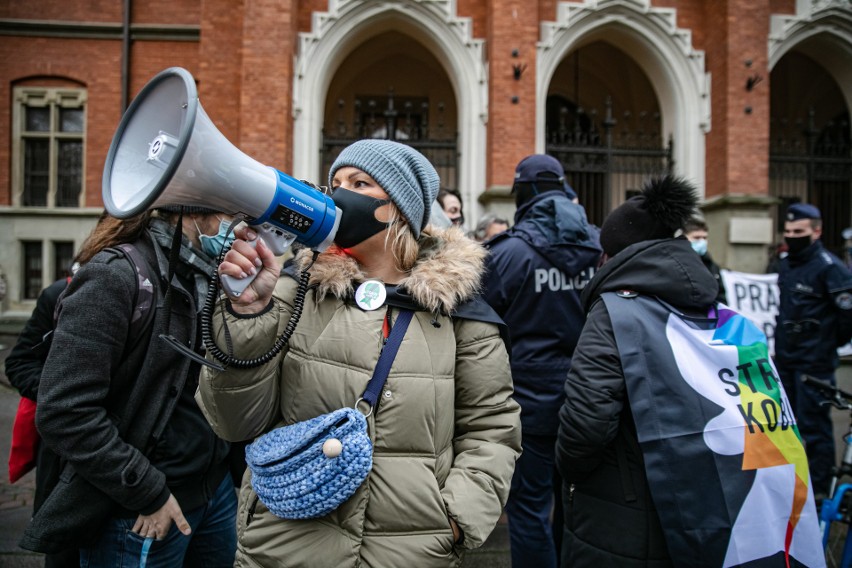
(535, 273)
(814, 319)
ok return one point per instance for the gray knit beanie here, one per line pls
(404, 173)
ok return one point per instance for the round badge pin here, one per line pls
(370, 295)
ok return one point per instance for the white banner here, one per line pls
(756, 296)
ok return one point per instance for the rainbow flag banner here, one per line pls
(723, 455)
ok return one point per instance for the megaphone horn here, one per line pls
(166, 152)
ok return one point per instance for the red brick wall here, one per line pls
(166, 11)
(690, 16)
(89, 11)
(267, 81)
(738, 144)
(92, 63)
(477, 11)
(50, 58)
(220, 64)
(511, 127)
(149, 58)
(782, 6)
(305, 10)
(244, 61)
(748, 136)
(547, 10)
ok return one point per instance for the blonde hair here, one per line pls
(401, 240)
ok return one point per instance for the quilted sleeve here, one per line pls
(241, 404)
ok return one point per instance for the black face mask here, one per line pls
(797, 244)
(358, 222)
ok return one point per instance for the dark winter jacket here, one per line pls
(535, 273)
(815, 315)
(23, 369)
(610, 519)
(25, 361)
(108, 408)
(714, 269)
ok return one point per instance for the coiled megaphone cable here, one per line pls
(227, 359)
(213, 288)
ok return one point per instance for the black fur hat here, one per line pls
(662, 208)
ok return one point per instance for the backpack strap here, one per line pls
(145, 297)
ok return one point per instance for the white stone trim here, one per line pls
(433, 23)
(661, 49)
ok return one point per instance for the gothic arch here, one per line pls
(434, 24)
(823, 31)
(662, 50)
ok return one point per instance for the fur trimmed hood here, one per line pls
(447, 273)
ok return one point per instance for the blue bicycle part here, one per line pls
(829, 513)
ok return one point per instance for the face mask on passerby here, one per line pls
(699, 246)
(213, 244)
(358, 222)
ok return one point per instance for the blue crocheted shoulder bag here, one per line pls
(307, 469)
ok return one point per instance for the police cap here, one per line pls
(798, 211)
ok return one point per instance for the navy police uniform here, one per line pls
(535, 273)
(814, 319)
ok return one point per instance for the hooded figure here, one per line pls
(597, 452)
(664, 461)
(535, 273)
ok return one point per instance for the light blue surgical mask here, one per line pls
(214, 244)
(699, 246)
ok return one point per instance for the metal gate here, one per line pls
(813, 165)
(414, 121)
(605, 162)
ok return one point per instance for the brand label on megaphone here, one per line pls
(297, 202)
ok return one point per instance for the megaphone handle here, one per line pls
(235, 286)
(275, 239)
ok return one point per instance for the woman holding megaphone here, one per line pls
(418, 468)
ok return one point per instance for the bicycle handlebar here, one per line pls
(827, 388)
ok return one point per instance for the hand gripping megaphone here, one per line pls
(167, 152)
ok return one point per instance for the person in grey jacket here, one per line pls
(446, 431)
(144, 474)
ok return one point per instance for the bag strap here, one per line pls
(146, 295)
(380, 373)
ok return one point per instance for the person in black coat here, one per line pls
(676, 441)
(535, 273)
(610, 518)
(23, 369)
(141, 463)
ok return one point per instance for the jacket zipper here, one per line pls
(251, 510)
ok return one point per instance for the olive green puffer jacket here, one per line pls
(446, 432)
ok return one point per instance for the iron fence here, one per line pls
(414, 121)
(606, 161)
(814, 165)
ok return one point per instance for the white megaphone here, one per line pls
(166, 151)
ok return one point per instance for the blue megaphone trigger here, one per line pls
(298, 212)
